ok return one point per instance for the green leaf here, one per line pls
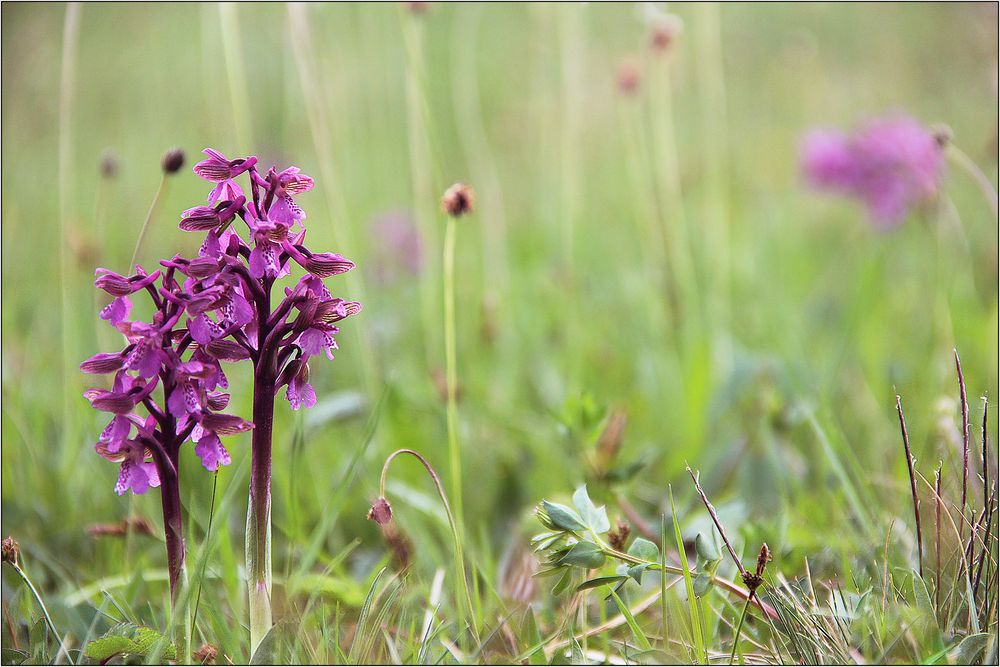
(637, 633)
(920, 595)
(644, 549)
(563, 517)
(10, 656)
(127, 639)
(636, 572)
(596, 518)
(601, 581)
(563, 583)
(702, 584)
(269, 650)
(972, 649)
(707, 551)
(584, 554)
(38, 641)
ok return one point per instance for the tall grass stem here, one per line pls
(451, 371)
(153, 206)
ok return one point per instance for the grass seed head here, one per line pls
(380, 512)
(458, 200)
(10, 550)
(173, 160)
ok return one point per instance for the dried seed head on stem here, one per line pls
(718, 524)
(965, 432)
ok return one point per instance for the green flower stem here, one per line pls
(38, 598)
(461, 585)
(972, 170)
(145, 224)
(739, 629)
(454, 449)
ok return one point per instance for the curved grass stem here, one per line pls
(462, 586)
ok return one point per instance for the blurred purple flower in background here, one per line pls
(890, 164)
(399, 249)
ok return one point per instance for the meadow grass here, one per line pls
(652, 255)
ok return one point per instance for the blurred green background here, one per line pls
(783, 395)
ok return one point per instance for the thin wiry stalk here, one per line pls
(739, 629)
(913, 484)
(41, 605)
(461, 583)
(985, 553)
(986, 440)
(965, 435)
(153, 205)
(70, 39)
(208, 537)
(937, 539)
(715, 520)
(451, 371)
(966, 164)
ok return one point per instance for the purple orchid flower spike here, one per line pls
(208, 310)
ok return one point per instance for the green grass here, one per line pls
(774, 375)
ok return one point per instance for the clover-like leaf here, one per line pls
(706, 548)
(562, 517)
(583, 554)
(636, 571)
(644, 549)
(596, 518)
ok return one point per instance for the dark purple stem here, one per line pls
(263, 419)
(170, 499)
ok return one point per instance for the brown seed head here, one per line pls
(206, 655)
(763, 558)
(458, 200)
(629, 76)
(942, 134)
(663, 35)
(380, 512)
(10, 550)
(417, 7)
(109, 164)
(618, 537)
(173, 160)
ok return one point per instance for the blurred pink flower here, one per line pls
(399, 248)
(890, 164)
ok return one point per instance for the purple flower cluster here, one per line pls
(890, 164)
(211, 309)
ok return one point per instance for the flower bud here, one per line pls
(380, 512)
(10, 550)
(458, 200)
(173, 160)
